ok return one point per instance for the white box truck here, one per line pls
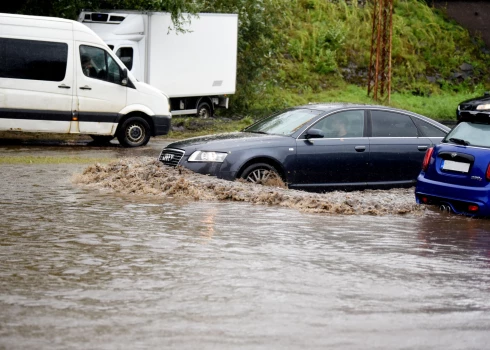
(196, 69)
(58, 76)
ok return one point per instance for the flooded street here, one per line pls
(85, 268)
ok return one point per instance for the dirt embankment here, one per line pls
(147, 176)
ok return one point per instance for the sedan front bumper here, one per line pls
(211, 168)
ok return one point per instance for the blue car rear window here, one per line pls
(473, 133)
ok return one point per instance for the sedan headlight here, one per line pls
(482, 107)
(202, 156)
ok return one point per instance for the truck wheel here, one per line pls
(259, 172)
(102, 138)
(204, 110)
(134, 132)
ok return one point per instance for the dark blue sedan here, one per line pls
(317, 147)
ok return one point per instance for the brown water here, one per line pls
(82, 268)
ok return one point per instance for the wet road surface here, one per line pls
(81, 268)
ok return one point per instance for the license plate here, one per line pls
(455, 166)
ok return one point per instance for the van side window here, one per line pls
(125, 54)
(33, 59)
(98, 64)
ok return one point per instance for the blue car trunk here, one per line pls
(458, 165)
(456, 180)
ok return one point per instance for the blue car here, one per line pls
(317, 147)
(456, 173)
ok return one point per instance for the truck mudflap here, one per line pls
(161, 124)
(223, 102)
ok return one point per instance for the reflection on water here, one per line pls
(82, 269)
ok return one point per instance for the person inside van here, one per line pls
(88, 67)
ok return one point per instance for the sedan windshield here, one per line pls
(284, 123)
(470, 134)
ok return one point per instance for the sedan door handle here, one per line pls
(63, 86)
(360, 148)
(86, 87)
(423, 148)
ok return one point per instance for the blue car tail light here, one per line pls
(488, 172)
(428, 155)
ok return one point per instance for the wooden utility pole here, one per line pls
(379, 76)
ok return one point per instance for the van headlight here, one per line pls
(204, 156)
(482, 107)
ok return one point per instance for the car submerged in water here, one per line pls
(317, 147)
(456, 173)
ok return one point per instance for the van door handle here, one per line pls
(86, 87)
(63, 86)
(423, 148)
(360, 148)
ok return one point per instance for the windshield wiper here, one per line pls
(257, 132)
(459, 141)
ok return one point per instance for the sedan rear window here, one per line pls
(427, 129)
(284, 123)
(472, 134)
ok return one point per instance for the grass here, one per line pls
(184, 127)
(440, 106)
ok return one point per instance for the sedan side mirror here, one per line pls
(124, 80)
(314, 134)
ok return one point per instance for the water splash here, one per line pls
(147, 176)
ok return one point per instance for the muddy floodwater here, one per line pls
(113, 264)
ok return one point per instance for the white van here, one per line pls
(58, 76)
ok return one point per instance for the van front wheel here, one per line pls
(134, 132)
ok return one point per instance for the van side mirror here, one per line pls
(124, 80)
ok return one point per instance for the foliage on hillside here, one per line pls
(325, 45)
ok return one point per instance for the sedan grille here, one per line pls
(171, 156)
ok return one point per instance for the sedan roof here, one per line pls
(332, 106)
(329, 106)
